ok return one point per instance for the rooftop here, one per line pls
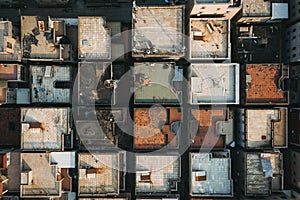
(263, 173)
(10, 127)
(51, 84)
(211, 174)
(9, 46)
(266, 128)
(253, 8)
(157, 83)
(13, 172)
(158, 31)
(157, 173)
(212, 1)
(94, 83)
(265, 82)
(44, 38)
(209, 38)
(211, 128)
(294, 126)
(44, 128)
(295, 165)
(90, 46)
(157, 127)
(98, 174)
(294, 84)
(39, 177)
(214, 83)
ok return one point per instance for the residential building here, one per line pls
(294, 11)
(157, 127)
(159, 82)
(265, 84)
(89, 46)
(101, 129)
(210, 39)
(294, 85)
(258, 173)
(158, 31)
(294, 126)
(157, 174)
(45, 175)
(10, 127)
(101, 174)
(10, 76)
(50, 84)
(96, 84)
(211, 127)
(9, 44)
(258, 43)
(292, 42)
(214, 84)
(45, 129)
(295, 165)
(44, 38)
(4, 163)
(262, 128)
(47, 3)
(263, 11)
(210, 174)
(218, 8)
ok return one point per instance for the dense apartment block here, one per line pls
(214, 84)
(292, 42)
(211, 127)
(294, 11)
(258, 173)
(157, 127)
(295, 165)
(101, 174)
(91, 47)
(159, 82)
(262, 128)
(294, 85)
(210, 174)
(50, 84)
(45, 129)
(96, 84)
(158, 31)
(45, 175)
(10, 49)
(12, 75)
(157, 175)
(265, 84)
(44, 38)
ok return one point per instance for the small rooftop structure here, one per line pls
(266, 84)
(9, 46)
(158, 31)
(294, 126)
(157, 127)
(211, 128)
(211, 174)
(260, 173)
(50, 84)
(44, 128)
(95, 83)
(40, 177)
(210, 39)
(13, 73)
(214, 84)
(100, 173)
(216, 8)
(44, 38)
(89, 46)
(262, 128)
(157, 83)
(10, 127)
(157, 174)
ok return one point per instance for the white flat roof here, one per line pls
(63, 159)
(280, 11)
